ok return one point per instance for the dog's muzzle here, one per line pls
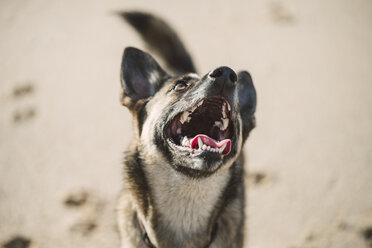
(205, 127)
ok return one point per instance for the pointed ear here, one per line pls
(247, 101)
(141, 76)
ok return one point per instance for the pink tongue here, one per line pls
(212, 143)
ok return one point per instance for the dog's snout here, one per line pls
(224, 73)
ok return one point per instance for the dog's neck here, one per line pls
(185, 205)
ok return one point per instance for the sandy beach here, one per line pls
(63, 130)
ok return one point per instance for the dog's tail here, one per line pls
(162, 39)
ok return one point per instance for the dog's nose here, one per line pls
(224, 73)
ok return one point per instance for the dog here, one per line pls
(183, 171)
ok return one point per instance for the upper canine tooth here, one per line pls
(228, 107)
(224, 111)
(185, 117)
(225, 124)
(200, 143)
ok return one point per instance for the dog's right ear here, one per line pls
(141, 76)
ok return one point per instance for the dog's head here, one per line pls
(198, 124)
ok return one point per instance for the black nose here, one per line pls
(224, 73)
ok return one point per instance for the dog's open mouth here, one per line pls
(206, 127)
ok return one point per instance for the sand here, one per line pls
(63, 130)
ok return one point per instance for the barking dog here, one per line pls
(183, 172)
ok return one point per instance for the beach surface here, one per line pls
(63, 130)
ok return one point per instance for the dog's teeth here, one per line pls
(182, 118)
(225, 124)
(228, 107)
(200, 142)
(223, 147)
(185, 117)
(204, 147)
(224, 115)
(218, 124)
(185, 141)
(200, 103)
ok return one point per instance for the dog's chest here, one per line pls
(184, 204)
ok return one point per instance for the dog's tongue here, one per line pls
(212, 143)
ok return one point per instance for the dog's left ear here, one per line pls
(247, 102)
(141, 76)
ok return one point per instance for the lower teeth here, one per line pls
(186, 143)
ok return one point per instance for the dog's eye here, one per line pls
(180, 86)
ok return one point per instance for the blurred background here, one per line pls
(63, 130)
